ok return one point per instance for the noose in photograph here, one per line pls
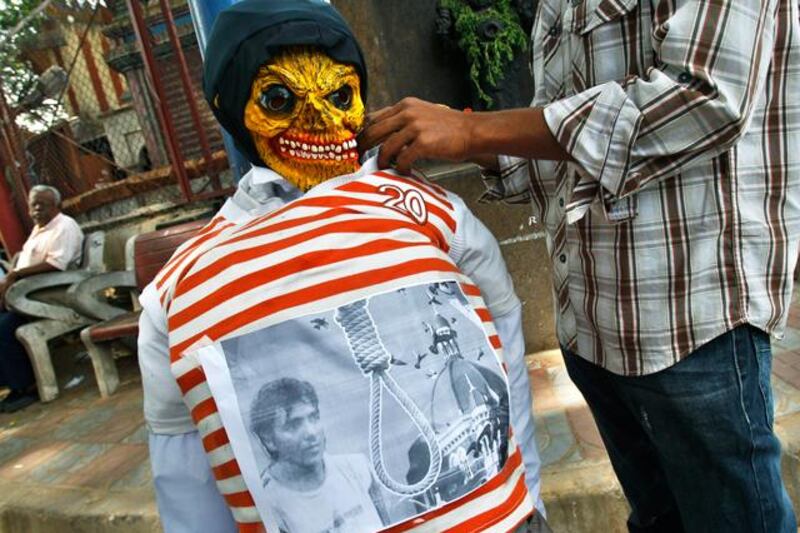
(374, 360)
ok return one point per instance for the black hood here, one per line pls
(248, 34)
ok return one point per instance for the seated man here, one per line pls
(54, 244)
(283, 77)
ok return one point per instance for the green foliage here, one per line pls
(17, 76)
(24, 18)
(13, 11)
(487, 59)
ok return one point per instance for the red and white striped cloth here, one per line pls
(345, 240)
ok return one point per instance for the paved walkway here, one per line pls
(80, 463)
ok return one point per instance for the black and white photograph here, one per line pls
(367, 415)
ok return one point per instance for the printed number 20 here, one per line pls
(410, 201)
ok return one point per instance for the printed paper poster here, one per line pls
(367, 415)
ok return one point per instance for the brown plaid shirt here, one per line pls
(680, 217)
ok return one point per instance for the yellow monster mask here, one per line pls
(304, 112)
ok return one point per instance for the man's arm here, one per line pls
(32, 270)
(186, 491)
(625, 133)
(509, 329)
(414, 129)
(20, 273)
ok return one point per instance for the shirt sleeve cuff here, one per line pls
(511, 185)
(597, 127)
(57, 261)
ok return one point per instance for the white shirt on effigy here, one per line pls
(57, 243)
(349, 477)
(187, 497)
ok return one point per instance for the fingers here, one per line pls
(410, 130)
(381, 114)
(408, 156)
(394, 145)
(375, 130)
(383, 122)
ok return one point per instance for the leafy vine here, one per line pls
(490, 38)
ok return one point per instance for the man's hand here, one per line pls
(414, 129)
(4, 285)
(14, 275)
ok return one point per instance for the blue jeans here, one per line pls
(693, 445)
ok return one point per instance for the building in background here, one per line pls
(108, 128)
(125, 58)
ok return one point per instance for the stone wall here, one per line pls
(404, 57)
(146, 211)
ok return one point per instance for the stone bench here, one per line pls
(44, 297)
(146, 255)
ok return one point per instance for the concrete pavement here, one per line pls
(80, 464)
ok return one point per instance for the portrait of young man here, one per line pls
(285, 417)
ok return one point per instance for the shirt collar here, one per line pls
(263, 175)
(263, 190)
(370, 166)
(49, 225)
(260, 191)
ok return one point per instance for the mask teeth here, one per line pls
(318, 151)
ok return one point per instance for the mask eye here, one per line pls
(277, 99)
(342, 97)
